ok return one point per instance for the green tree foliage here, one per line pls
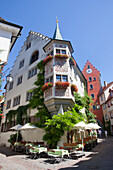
(87, 101)
(37, 100)
(13, 138)
(56, 126)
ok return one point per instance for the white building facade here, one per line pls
(24, 72)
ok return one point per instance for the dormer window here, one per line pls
(34, 57)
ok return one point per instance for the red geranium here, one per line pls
(47, 86)
(61, 85)
(74, 87)
(61, 56)
(47, 59)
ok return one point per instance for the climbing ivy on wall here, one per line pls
(37, 100)
(19, 114)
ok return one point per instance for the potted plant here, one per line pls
(47, 59)
(61, 56)
(47, 86)
(61, 85)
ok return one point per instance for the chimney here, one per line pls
(105, 84)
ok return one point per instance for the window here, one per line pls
(28, 46)
(101, 98)
(8, 104)
(64, 78)
(34, 57)
(51, 79)
(19, 81)
(16, 101)
(29, 95)
(58, 77)
(47, 80)
(32, 72)
(21, 64)
(51, 53)
(91, 86)
(10, 85)
(63, 51)
(88, 66)
(93, 96)
(94, 78)
(57, 51)
(90, 78)
(104, 106)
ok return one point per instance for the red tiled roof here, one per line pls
(104, 88)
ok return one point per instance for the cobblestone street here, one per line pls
(100, 158)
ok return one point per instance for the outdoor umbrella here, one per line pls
(92, 126)
(26, 127)
(17, 128)
(80, 125)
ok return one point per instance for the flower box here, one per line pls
(72, 61)
(62, 85)
(47, 86)
(61, 56)
(74, 88)
(47, 59)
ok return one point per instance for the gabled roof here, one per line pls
(104, 88)
(57, 35)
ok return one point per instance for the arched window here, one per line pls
(34, 57)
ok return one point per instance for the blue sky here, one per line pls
(87, 24)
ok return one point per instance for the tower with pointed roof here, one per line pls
(62, 72)
(92, 76)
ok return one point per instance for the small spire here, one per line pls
(57, 34)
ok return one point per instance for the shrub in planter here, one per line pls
(13, 138)
(61, 56)
(47, 59)
(47, 86)
(62, 85)
(74, 88)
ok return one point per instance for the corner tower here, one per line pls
(61, 72)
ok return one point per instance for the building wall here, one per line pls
(37, 43)
(93, 78)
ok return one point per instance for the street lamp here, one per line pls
(9, 78)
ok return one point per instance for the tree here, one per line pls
(59, 123)
(37, 100)
(87, 102)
